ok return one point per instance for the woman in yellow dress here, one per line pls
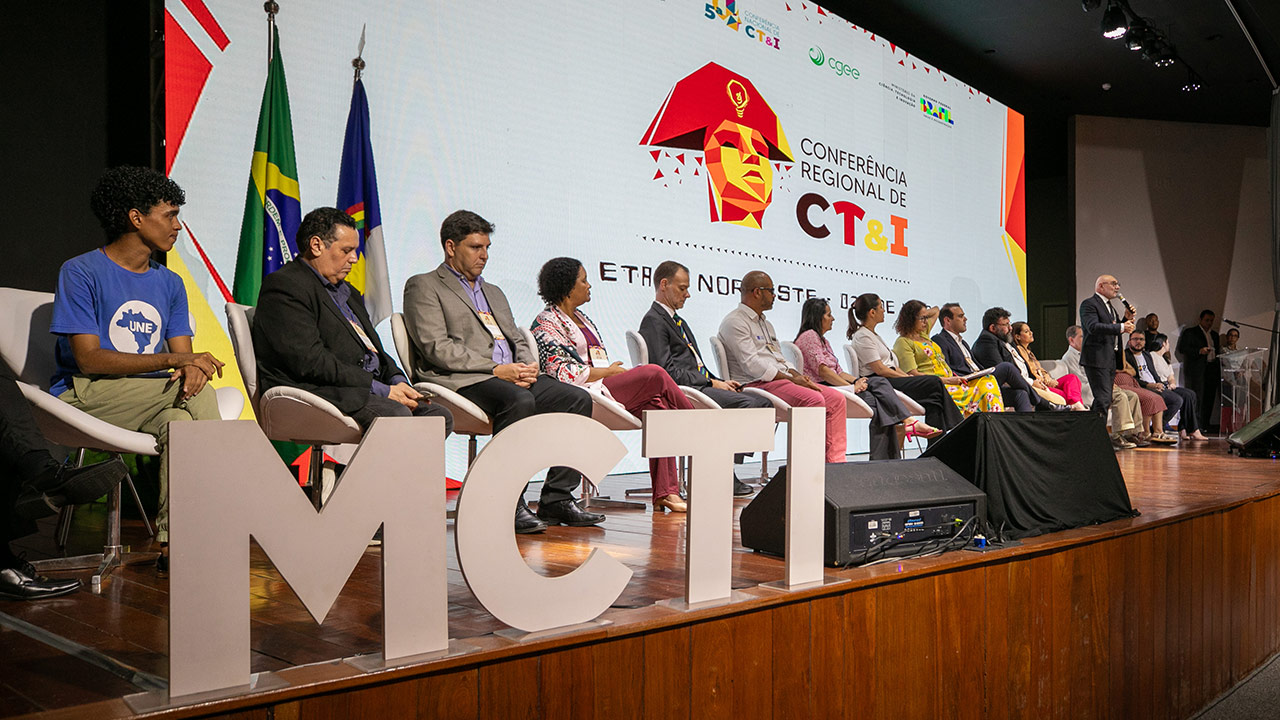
(918, 355)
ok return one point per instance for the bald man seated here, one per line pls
(754, 359)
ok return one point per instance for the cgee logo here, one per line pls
(840, 67)
(722, 114)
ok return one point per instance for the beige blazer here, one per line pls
(452, 345)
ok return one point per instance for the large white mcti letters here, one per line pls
(491, 563)
(710, 438)
(228, 483)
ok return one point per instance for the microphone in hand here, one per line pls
(1129, 310)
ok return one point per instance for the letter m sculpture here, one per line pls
(228, 484)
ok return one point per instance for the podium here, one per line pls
(1242, 372)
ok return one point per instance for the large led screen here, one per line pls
(731, 136)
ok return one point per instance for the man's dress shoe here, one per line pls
(526, 521)
(567, 512)
(23, 583)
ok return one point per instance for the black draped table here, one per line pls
(1042, 472)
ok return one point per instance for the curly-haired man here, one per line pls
(115, 311)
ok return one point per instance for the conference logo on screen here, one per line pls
(936, 110)
(749, 24)
(841, 68)
(721, 114)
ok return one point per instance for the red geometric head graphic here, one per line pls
(722, 114)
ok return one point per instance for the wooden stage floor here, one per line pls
(127, 621)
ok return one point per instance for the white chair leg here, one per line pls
(63, 528)
(113, 554)
(592, 499)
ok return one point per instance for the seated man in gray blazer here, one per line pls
(467, 340)
(673, 347)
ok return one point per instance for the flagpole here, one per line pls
(271, 7)
(358, 61)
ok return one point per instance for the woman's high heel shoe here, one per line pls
(674, 503)
(919, 428)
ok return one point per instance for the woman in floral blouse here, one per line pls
(571, 350)
(918, 355)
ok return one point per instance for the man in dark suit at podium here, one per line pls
(1100, 350)
(673, 347)
(963, 359)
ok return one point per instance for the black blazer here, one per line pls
(1101, 335)
(302, 340)
(668, 350)
(954, 355)
(1189, 344)
(989, 350)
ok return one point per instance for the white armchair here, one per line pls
(780, 408)
(855, 407)
(468, 418)
(288, 413)
(27, 348)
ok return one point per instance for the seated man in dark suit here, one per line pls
(673, 347)
(963, 359)
(311, 330)
(467, 340)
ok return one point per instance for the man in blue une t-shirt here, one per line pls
(115, 310)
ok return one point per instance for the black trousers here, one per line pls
(24, 455)
(940, 410)
(1184, 400)
(1016, 391)
(386, 407)
(507, 403)
(887, 411)
(1100, 382)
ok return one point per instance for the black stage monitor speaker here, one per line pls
(922, 499)
(1260, 438)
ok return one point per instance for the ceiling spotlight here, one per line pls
(1139, 35)
(1090, 4)
(1114, 22)
(1193, 81)
(1160, 53)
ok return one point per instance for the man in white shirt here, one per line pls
(1126, 409)
(754, 359)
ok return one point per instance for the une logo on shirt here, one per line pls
(135, 328)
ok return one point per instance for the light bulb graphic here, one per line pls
(738, 96)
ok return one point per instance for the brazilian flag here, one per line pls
(273, 207)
